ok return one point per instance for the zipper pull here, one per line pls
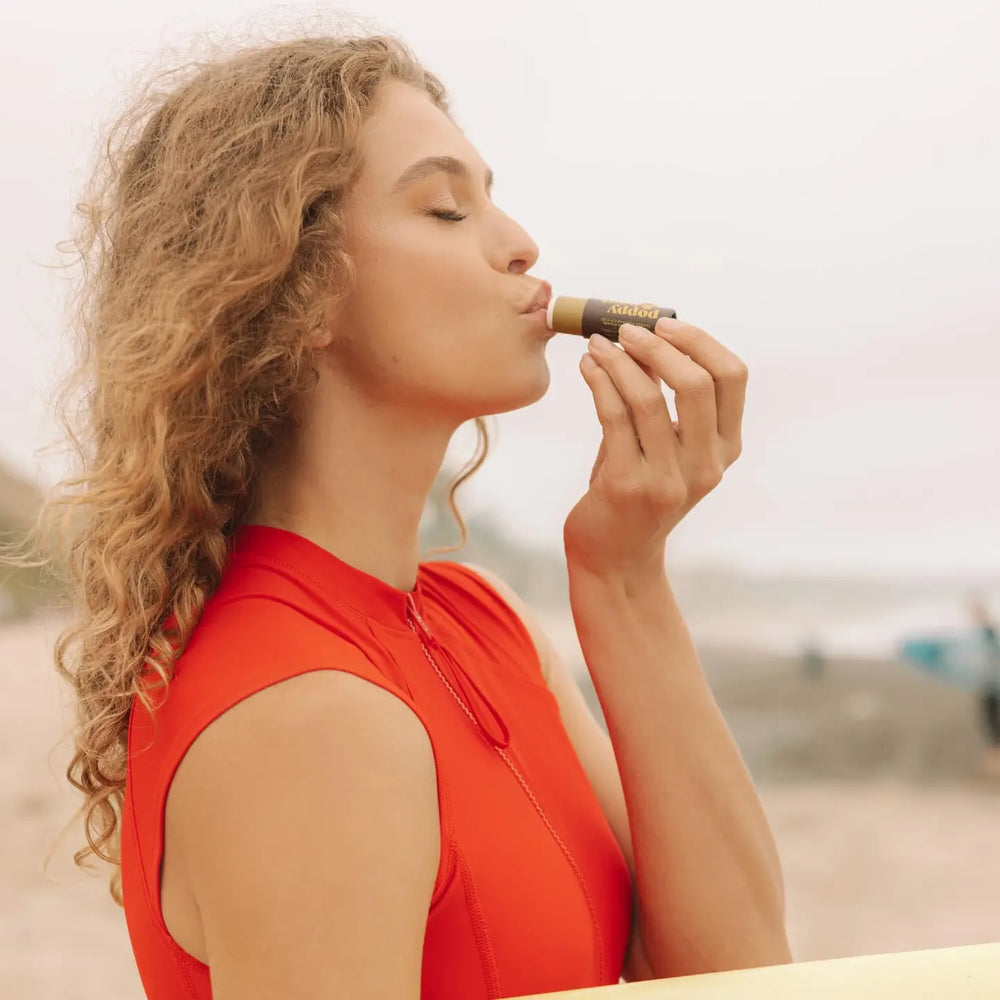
(414, 616)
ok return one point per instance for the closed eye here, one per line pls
(446, 215)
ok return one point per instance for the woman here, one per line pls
(325, 767)
(988, 695)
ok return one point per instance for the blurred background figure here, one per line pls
(989, 692)
(813, 658)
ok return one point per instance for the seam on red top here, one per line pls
(487, 958)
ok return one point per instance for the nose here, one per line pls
(524, 255)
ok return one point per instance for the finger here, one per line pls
(646, 402)
(659, 382)
(727, 370)
(622, 452)
(694, 388)
(656, 378)
(649, 371)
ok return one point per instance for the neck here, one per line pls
(359, 495)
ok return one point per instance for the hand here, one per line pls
(650, 471)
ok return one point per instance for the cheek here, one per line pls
(399, 361)
(431, 342)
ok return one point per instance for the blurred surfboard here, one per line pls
(968, 660)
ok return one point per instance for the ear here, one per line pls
(324, 333)
(320, 336)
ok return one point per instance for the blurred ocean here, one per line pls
(842, 617)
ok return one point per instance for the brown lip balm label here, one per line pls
(604, 316)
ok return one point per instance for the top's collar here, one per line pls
(370, 596)
(346, 583)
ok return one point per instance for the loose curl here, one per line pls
(209, 238)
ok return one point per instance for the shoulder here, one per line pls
(504, 589)
(530, 621)
(297, 725)
(266, 843)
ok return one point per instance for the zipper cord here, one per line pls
(499, 735)
(424, 631)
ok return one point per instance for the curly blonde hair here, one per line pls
(209, 241)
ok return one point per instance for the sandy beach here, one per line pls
(871, 864)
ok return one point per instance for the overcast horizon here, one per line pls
(813, 185)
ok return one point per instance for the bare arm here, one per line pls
(708, 877)
(309, 834)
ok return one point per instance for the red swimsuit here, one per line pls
(532, 895)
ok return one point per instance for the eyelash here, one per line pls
(448, 216)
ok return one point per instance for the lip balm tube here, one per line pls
(584, 317)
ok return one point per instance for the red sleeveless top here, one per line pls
(532, 895)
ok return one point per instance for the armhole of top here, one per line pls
(151, 879)
(534, 673)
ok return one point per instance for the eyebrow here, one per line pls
(432, 165)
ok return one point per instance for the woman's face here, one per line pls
(434, 324)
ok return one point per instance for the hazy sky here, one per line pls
(814, 184)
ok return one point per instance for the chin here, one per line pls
(530, 390)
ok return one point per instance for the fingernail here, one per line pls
(598, 342)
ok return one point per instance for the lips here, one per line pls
(541, 299)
